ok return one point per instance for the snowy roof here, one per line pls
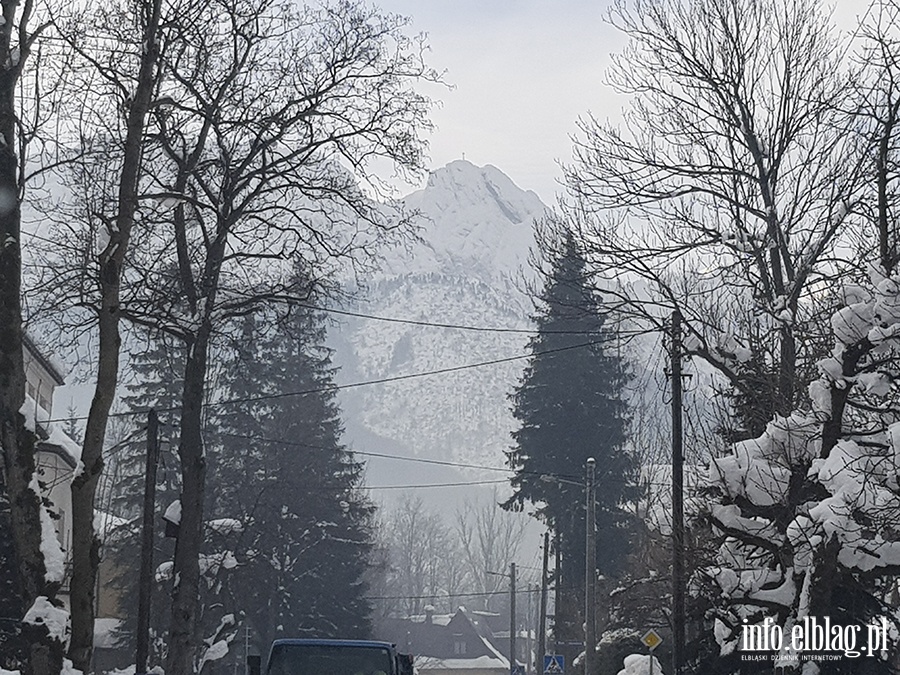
(51, 437)
(106, 523)
(50, 364)
(104, 633)
(479, 663)
(496, 655)
(60, 441)
(436, 619)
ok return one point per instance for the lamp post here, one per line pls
(590, 557)
(590, 567)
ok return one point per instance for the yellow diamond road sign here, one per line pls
(651, 639)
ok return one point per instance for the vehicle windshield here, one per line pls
(329, 660)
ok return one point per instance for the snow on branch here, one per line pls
(813, 504)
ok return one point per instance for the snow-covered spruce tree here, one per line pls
(570, 406)
(809, 512)
(279, 468)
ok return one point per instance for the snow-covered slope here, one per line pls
(476, 231)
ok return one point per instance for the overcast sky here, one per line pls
(523, 71)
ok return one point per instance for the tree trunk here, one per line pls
(13, 595)
(186, 569)
(85, 545)
(22, 568)
(787, 372)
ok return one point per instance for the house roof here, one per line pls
(436, 619)
(439, 638)
(51, 438)
(50, 365)
(58, 442)
(478, 663)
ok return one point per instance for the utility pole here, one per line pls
(529, 666)
(590, 568)
(246, 649)
(556, 593)
(677, 502)
(542, 614)
(146, 571)
(512, 618)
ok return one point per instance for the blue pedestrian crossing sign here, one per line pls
(554, 664)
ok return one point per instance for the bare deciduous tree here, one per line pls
(268, 118)
(728, 187)
(877, 109)
(420, 555)
(29, 581)
(490, 538)
(109, 59)
(248, 131)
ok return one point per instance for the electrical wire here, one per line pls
(482, 594)
(572, 479)
(418, 487)
(577, 480)
(422, 460)
(445, 596)
(455, 326)
(353, 385)
(412, 322)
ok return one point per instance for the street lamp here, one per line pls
(590, 566)
(590, 556)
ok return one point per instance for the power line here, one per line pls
(574, 480)
(420, 487)
(409, 322)
(352, 385)
(437, 324)
(422, 460)
(448, 596)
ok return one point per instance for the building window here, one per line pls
(459, 647)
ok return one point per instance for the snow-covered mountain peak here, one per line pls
(485, 187)
(475, 221)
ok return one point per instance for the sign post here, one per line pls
(554, 664)
(651, 640)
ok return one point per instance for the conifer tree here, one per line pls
(281, 470)
(570, 407)
(285, 511)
